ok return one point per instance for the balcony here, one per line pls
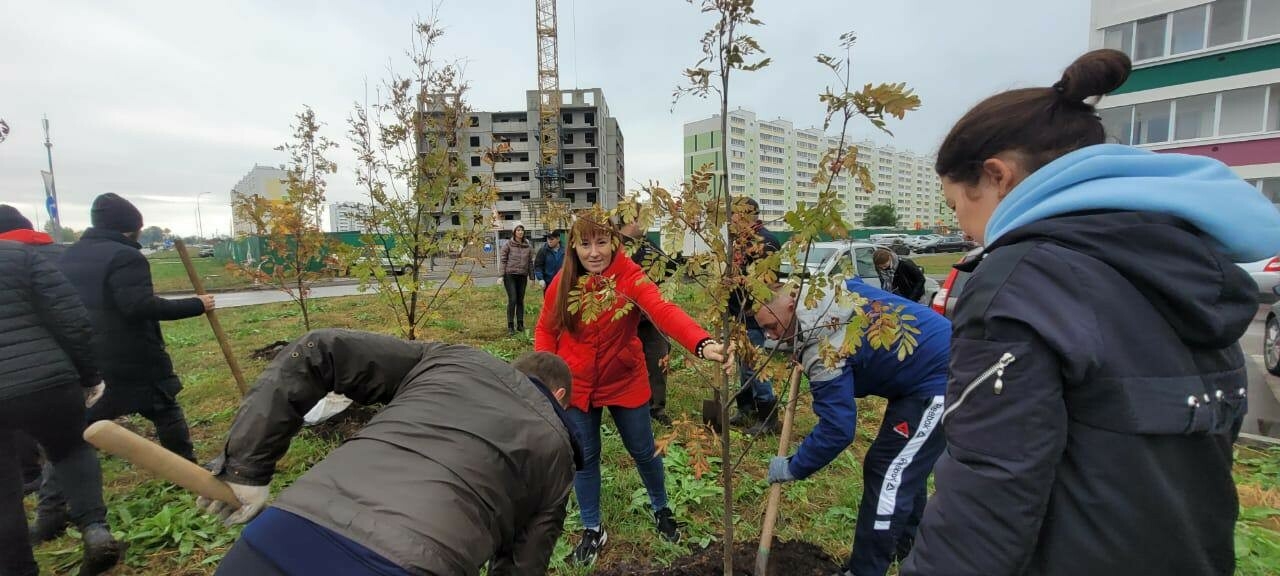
(581, 185)
(510, 127)
(578, 144)
(522, 186)
(509, 205)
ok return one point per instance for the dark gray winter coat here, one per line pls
(468, 460)
(44, 329)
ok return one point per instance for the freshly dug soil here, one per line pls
(269, 351)
(786, 558)
(345, 424)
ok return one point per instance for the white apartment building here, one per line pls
(348, 216)
(775, 163)
(268, 182)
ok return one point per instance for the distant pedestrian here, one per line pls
(515, 264)
(607, 361)
(549, 260)
(1096, 381)
(47, 376)
(899, 275)
(113, 280)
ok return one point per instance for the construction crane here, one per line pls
(550, 163)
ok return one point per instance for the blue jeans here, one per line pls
(637, 435)
(761, 389)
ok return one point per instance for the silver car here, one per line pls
(1267, 274)
(1271, 337)
(849, 259)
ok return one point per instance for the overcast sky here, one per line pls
(159, 101)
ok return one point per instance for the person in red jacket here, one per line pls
(608, 365)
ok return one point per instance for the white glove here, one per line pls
(252, 500)
(94, 394)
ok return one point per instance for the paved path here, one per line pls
(255, 297)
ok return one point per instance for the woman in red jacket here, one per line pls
(607, 361)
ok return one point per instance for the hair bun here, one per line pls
(1096, 73)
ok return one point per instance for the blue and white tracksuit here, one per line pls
(899, 461)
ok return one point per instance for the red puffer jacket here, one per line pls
(605, 356)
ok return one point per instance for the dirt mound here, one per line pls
(345, 424)
(790, 558)
(269, 351)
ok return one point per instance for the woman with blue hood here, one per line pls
(1096, 381)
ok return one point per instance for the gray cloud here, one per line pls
(159, 101)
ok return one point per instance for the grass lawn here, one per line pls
(169, 275)
(168, 537)
(937, 264)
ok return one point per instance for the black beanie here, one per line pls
(112, 212)
(11, 219)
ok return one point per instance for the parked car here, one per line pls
(399, 267)
(916, 243)
(849, 259)
(1266, 273)
(947, 244)
(206, 252)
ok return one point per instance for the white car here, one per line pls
(850, 259)
(1266, 273)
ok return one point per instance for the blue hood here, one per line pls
(1200, 190)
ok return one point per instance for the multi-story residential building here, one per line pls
(267, 182)
(1206, 80)
(348, 217)
(591, 150)
(775, 163)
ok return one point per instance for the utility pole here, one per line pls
(51, 202)
(199, 219)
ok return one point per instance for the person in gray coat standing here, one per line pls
(470, 461)
(516, 264)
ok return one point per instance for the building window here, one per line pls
(591, 138)
(1273, 108)
(591, 158)
(1150, 42)
(591, 178)
(568, 158)
(475, 141)
(1194, 116)
(1242, 110)
(473, 121)
(591, 197)
(1226, 22)
(1264, 18)
(737, 131)
(590, 118)
(566, 118)
(1151, 123)
(566, 138)
(737, 142)
(1187, 29)
(455, 220)
(475, 179)
(524, 177)
(475, 160)
(570, 177)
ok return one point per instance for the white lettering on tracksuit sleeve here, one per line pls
(893, 476)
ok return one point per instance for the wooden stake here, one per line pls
(212, 316)
(775, 491)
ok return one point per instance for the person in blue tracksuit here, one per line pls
(897, 466)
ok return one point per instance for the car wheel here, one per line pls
(1271, 345)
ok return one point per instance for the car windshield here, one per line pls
(817, 255)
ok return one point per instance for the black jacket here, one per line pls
(44, 330)
(1104, 447)
(748, 251)
(114, 282)
(468, 461)
(907, 280)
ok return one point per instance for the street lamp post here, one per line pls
(199, 219)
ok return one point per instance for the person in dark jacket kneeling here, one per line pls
(113, 279)
(469, 461)
(1096, 380)
(898, 463)
(47, 376)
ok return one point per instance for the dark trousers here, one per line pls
(55, 419)
(515, 285)
(656, 347)
(243, 559)
(761, 394)
(895, 477)
(28, 456)
(157, 403)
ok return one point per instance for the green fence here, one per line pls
(253, 248)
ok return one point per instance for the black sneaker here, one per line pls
(48, 525)
(589, 548)
(667, 526)
(661, 418)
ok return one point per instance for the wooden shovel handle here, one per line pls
(212, 316)
(775, 491)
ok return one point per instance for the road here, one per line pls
(255, 297)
